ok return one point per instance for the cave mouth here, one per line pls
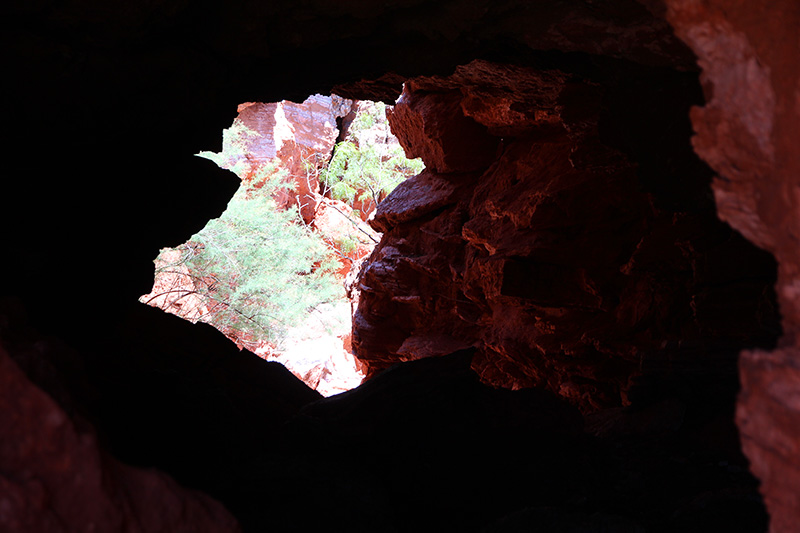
(274, 273)
(563, 236)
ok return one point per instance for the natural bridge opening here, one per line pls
(274, 273)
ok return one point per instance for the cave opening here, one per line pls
(554, 327)
(274, 273)
(559, 253)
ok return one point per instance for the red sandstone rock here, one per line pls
(336, 224)
(53, 476)
(748, 132)
(298, 137)
(414, 198)
(174, 289)
(422, 346)
(433, 126)
(318, 352)
(386, 89)
(767, 415)
(550, 258)
(509, 100)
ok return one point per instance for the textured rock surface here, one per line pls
(176, 281)
(299, 138)
(747, 132)
(53, 476)
(566, 261)
(767, 413)
(433, 127)
(414, 198)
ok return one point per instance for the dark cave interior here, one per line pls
(614, 412)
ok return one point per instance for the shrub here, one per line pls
(347, 245)
(257, 272)
(362, 173)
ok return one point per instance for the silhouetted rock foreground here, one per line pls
(422, 445)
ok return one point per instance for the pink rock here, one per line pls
(336, 223)
(767, 413)
(298, 138)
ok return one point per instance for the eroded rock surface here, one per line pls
(556, 243)
(748, 132)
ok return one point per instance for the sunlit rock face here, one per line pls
(318, 350)
(298, 138)
(545, 233)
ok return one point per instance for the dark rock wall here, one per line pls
(568, 233)
(747, 133)
(105, 105)
(56, 478)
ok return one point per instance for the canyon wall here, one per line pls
(297, 138)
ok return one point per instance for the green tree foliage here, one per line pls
(367, 172)
(256, 270)
(237, 142)
(347, 245)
